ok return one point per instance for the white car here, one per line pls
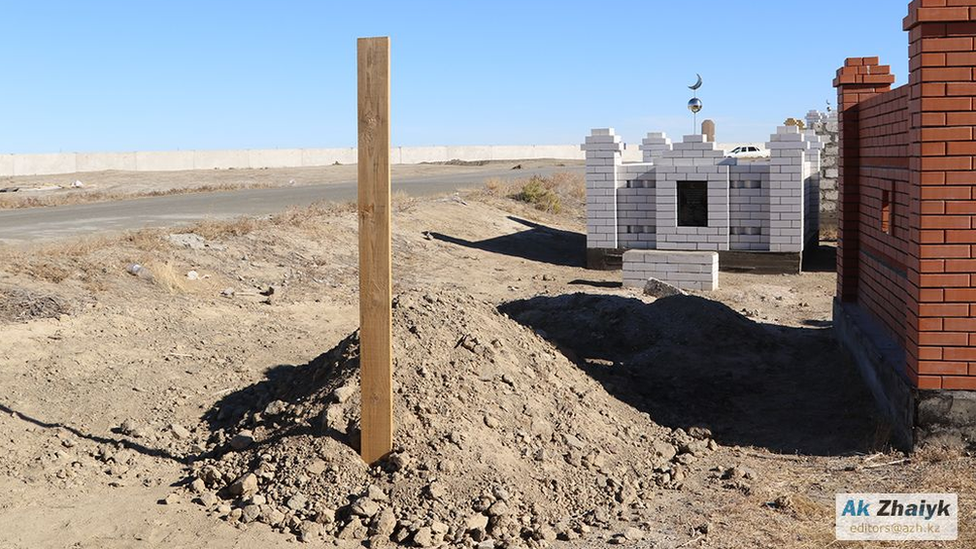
(747, 151)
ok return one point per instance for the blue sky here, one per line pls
(165, 75)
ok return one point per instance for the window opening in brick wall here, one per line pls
(886, 225)
(692, 203)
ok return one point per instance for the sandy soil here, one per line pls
(107, 377)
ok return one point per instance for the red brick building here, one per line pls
(906, 259)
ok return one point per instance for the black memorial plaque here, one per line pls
(692, 203)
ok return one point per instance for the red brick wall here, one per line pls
(884, 288)
(917, 144)
(943, 58)
(873, 142)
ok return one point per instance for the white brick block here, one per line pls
(689, 270)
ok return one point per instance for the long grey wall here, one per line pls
(59, 163)
(167, 161)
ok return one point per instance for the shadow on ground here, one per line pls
(689, 361)
(538, 243)
(821, 259)
(126, 443)
(596, 283)
(298, 388)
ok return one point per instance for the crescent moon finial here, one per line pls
(698, 84)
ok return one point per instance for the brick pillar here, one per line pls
(811, 190)
(603, 157)
(787, 149)
(859, 79)
(654, 146)
(941, 335)
(708, 130)
(815, 154)
(815, 117)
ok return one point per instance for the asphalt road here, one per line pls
(22, 225)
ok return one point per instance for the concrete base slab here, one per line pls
(881, 363)
(760, 262)
(917, 417)
(946, 418)
(605, 259)
(611, 259)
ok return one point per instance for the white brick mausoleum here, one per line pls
(692, 196)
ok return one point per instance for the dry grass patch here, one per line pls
(87, 259)
(147, 240)
(58, 261)
(40, 264)
(166, 275)
(19, 305)
(829, 234)
(309, 216)
(402, 202)
(93, 260)
(68, 197)
(45, 269)
(572, 184)
(540, 193)
(556, 193)
(213, 229)
(802, 507)
(495, 186)
(302, 217)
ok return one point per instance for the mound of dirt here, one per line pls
(691, 362)
(619, 328)
(18, 305)
(501, 441)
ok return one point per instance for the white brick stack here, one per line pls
(694, 159)
(654, 146)
(603, 157)
(686, 270)
(825, 126)
(815, 117)
(787, 156)
(811, 187)
(636, 206)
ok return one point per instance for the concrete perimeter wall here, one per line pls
(168, 161)
(58, 163)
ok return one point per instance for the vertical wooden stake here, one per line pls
(375, 287)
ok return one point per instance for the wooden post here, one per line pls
(375, 288)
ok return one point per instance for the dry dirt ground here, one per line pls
(129, 404)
